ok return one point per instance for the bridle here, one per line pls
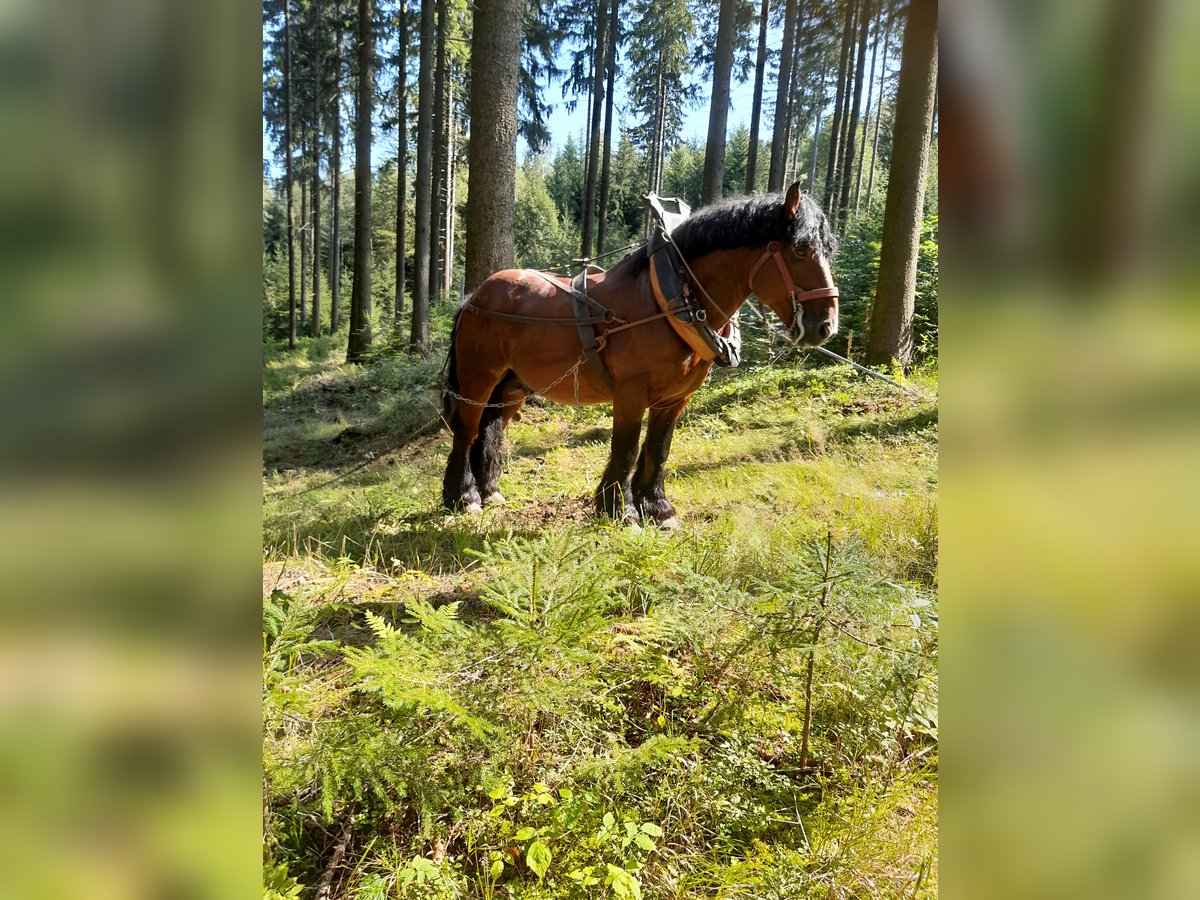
(775, 251)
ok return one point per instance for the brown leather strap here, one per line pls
(530, 320)
(773, 251)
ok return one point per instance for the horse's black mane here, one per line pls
(752, 221)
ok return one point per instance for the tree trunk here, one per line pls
(491, 186)
(718, 115)
(780, 128)
(892, 311)
(599, 64)
(304, 240)
(855, 110)
(760, 67)
(862, 149)
(287, 149)
(448, 255)
(791, 140)
(887, 46)
(401, 170)
(819, 108)
(610, 64)
(836, 128)
(419, 337)
(437, 207)
(315, 322)
(360, 294)
(335, 165)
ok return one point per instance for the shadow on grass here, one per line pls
(916, 420)
(345, 621)
(432, 542)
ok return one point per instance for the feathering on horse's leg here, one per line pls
(487, 453)
(648, 488)
(614, 496)
(459, 490)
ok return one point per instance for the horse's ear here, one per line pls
(791, 202)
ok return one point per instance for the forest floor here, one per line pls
(534, 704)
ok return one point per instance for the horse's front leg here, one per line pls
(648, 491)
(614, 496)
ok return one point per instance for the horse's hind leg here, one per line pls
(648, 490)
(487, 453)
(613, 496)
(459, 490)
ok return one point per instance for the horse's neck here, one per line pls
(724, 277)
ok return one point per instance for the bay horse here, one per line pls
(494, 363)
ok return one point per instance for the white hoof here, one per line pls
(473, 509)
(497, 497)
(669, 524)
(632, 526)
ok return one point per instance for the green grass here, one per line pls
(535, 704)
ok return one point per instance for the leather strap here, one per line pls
(773, 251)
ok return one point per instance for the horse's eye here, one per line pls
(798, 252)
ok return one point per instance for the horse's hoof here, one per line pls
(632, 526)
(473, 509)
(495, 497)
(669, 524)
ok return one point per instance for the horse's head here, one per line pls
(793, 276)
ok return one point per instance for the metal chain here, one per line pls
(574, 370)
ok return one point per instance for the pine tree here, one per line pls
(422, 263)
(491, 191)
(838, 112)
(360, 294)
(892, 309)
(597, 98)
(287, 152)
(783, 86)
(401, 163)
(614, 37)
(760, 66)
(315, 193)
(855, 110)
(714, 154)
(335, 167)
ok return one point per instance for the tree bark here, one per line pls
(304, 239)
(792, 141)
(835, 128)
(760, 67)
(335, 165)
(448, 254)
(419, 336)
(712, 186)
(887, 37)
(862, 148)
(437, 207)
(491, 187)
(287, 149)
(610, 64)
(599, 64)
(401, 170)
(855, 111)
(780, 128)
(360, 294)
(892, 311)
(315, 322)
(818, 109)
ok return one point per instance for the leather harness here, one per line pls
(672, 290)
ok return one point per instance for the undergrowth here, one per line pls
(532, 704)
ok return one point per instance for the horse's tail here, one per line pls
(449, 380)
